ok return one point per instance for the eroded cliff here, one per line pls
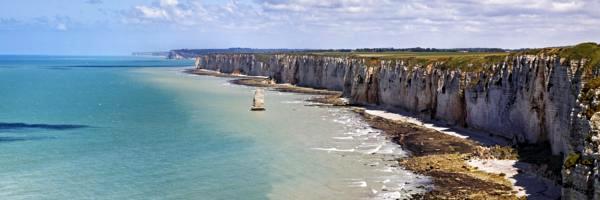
(547, 95)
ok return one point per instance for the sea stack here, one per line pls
(258, 103)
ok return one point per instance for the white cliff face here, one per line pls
(528, 99)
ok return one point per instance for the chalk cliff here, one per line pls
(527, 97)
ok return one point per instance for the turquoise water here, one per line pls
(139, 128)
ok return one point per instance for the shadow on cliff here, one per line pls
(20, 126)
(481, 137)
(539, 172)
(534, 186)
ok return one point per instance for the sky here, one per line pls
(119, 27)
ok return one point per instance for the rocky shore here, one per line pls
(456, 162)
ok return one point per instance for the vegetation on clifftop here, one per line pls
(465, 61)
(473, 61)
(590, 52)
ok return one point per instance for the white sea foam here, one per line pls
(343, 121)
(387, 170)
(334, 149)
(343, 138)
(374, 191)
(390, 195)
(374, 150)
(358, 184)
(293, 102)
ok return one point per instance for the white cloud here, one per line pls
(152, 13)
(566, 6)
(374, 19)
(168, 2)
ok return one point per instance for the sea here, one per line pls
(101, 127)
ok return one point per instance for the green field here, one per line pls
(400, 55)
(465, 61)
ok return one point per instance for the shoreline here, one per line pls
(455, 161)
(450, 158)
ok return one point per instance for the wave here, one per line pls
(375, 150)
(343, 138)
(358, 184)
(294, 102)
(372, 148)
(334, 149)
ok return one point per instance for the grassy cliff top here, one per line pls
(403, 55)
(465, 61)
(477, 61)
(588, 50)
(579, 51)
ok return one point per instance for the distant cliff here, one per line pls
(193, 53)
(546, 95)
